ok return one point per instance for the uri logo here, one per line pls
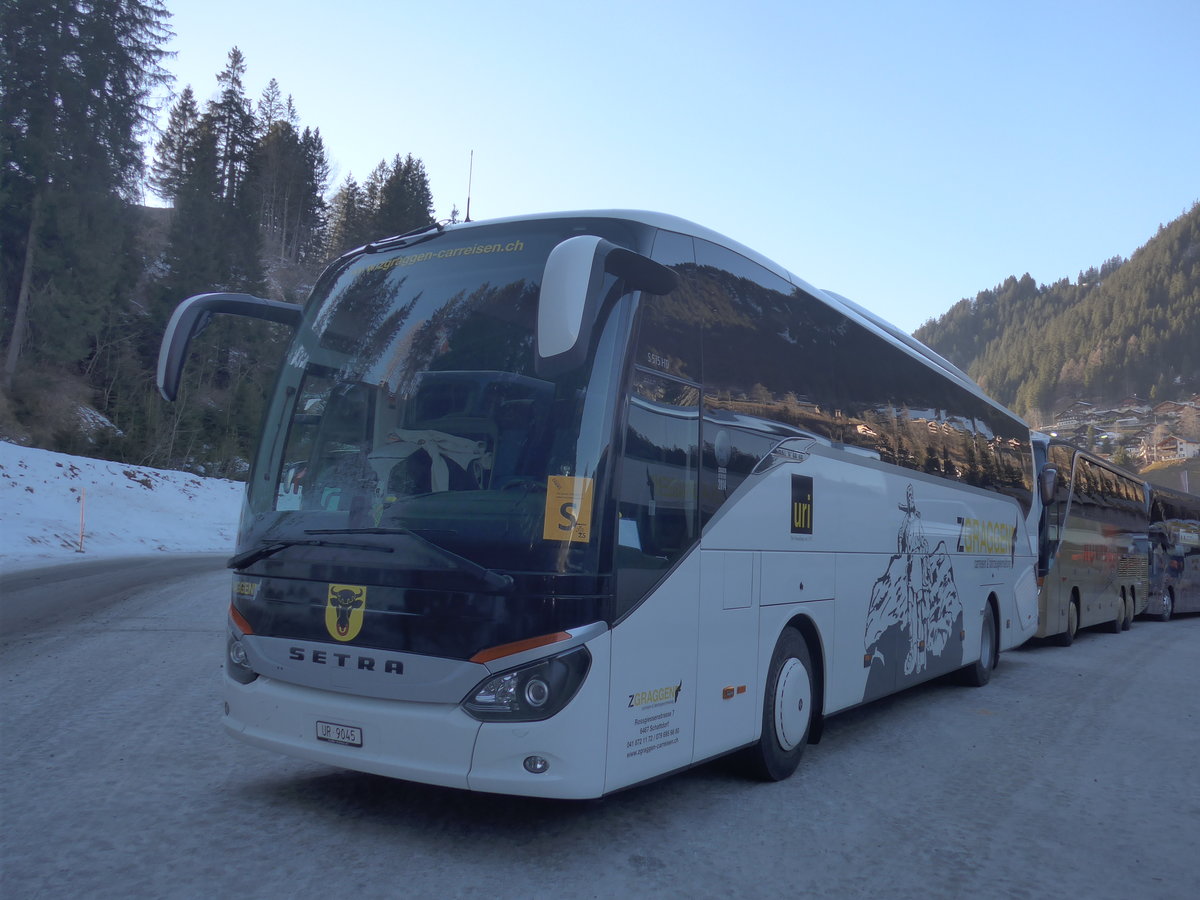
(344, 611)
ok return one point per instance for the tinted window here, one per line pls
(657, 512)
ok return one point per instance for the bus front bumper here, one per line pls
(432, 743)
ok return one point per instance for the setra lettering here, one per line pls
(345, 660)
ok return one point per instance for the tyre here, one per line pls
(1068, 637)
(1127, 622)
(980, 673)
(1168, 607)
(1115, 626)
(787, 711)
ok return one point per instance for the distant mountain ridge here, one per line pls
(1127, 327)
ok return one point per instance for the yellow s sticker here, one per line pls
(568, 509)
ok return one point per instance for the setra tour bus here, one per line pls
(556, 505)
(1174, 552)
(1094, 544)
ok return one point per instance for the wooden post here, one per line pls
(82, 503)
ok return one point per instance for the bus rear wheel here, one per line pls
(787, 711)
(980, 673)
(1115, 625)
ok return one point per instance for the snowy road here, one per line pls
(1076, 772)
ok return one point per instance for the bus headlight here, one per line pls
(530, 693)
(237, 663)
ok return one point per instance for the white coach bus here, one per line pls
(557, 505)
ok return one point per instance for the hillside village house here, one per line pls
(1174, 447)
(1165, 431)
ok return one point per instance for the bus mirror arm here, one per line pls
(193, 315)
(1047, 483)
(572, 297)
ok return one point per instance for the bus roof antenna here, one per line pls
(470, 175)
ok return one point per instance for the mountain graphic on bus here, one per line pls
(915, 613)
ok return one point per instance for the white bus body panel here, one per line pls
(435, 743)
(728, 694)
(898, 532)
(652, 706)
(427, 742)
(572, 742)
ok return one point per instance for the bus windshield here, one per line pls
(414, 426)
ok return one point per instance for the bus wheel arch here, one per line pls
(1116, 626)
(789, 709)
(979, 673)
(1068, 637)
(816, 655)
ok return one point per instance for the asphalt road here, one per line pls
(1074, 773)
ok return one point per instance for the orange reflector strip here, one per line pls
(240, 621)
(517, 646)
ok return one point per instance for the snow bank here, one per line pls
(127, 510)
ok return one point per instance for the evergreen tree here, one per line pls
(405, 201)
(75, 86)
(270, 104)
(346, 219)
(234, 126)
(169, 171)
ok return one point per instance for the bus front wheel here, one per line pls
(787, 710)
(1068, 637)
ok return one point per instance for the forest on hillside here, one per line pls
(89, 275)
(1128, 327)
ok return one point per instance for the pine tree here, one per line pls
(346, 219)
(75, 86)
(234, 126)
(169, 170)
(405, 201)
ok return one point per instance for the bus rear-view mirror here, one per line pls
(1047, 483)
(572, 295)
(193, 315)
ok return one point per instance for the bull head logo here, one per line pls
(344, 611)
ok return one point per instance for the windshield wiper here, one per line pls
(416, 236)
(248, 557)
(497, 581)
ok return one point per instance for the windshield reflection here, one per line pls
(410, 406)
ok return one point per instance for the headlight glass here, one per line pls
(530, 693)
(237, 663)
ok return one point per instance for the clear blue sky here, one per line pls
(905, 154)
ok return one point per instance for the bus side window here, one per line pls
(768, 372)
(658, 489)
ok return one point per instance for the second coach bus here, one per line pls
(556, 505)
(1093, 557)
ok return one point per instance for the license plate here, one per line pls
(339, 734)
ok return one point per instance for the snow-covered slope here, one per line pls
(126, 509)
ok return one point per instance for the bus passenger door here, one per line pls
(727, 699)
